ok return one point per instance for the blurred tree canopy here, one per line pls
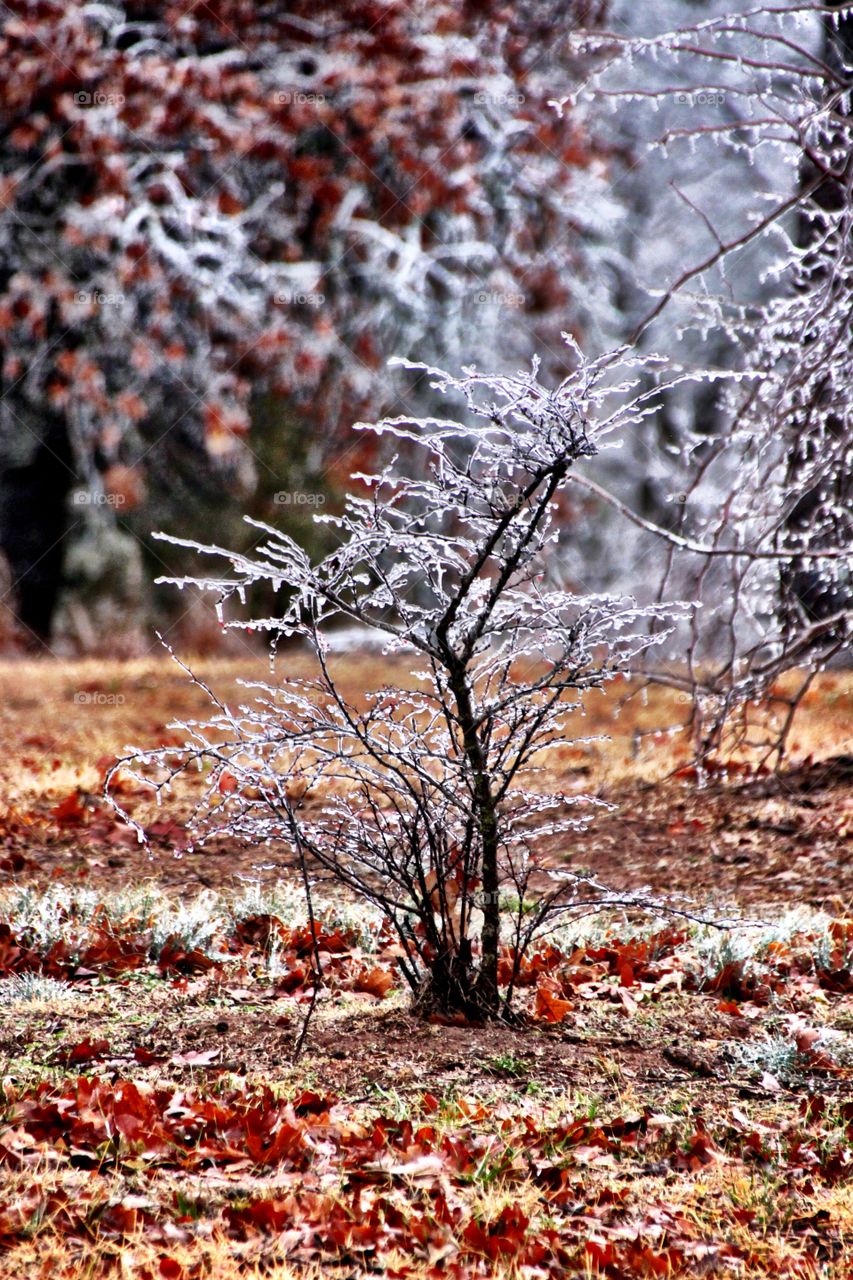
(217, 222)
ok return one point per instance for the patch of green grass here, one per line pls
(188, 1207)
(508, 1065)
(392, 1101)
(492, 1169)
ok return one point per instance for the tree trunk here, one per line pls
(36, 475)
(486, 995)
(486, 990)
(450, 987)
(805, 588)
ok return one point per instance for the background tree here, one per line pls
(217, 223)
(819, 434)
(764, 497)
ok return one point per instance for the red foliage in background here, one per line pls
(200, 204)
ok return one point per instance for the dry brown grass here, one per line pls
(133, 701)
(62, 723)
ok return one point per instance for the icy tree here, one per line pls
(218, 222)
(432, 801)
(761, 530)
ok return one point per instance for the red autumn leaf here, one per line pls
(145, 1057)
(376, 982)
(645, 1261)
(701, 1151)
(15, 862)
(838, 981)
(301, 940)
(13, 957)
(550, 1006)
(813, 1107)
(805, 1038)
(267, 1215)
(578, 975)
(600, 1253)
(165, 829)
(85, 1051)
(174, 958)
(287, 1143)
(227, 783)
(296, 977)
(258, 930)
(309, 1103)
(70, 810)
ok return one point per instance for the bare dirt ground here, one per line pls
(681, 1101)
(756, 839)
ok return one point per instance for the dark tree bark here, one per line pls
(806, 589)
(34, 521)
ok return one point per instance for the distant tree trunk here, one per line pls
(806, 588)
(35, 480)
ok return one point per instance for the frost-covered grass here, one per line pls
(50, 915)
(830, 952)
(775, 1055)
(69, 913)
(779, 1056)
(715, 951)
(32, 988)
(196, 925)
(66, 914)
(287, 903)
(752, 948)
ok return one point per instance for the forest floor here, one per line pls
(680, 1101)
